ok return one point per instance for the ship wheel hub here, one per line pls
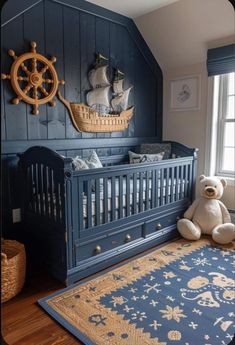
(35, 79)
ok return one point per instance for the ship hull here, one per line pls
(86, 119)
(89, 120)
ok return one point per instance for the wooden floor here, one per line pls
(25, 323)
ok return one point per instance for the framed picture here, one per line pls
(185, 93)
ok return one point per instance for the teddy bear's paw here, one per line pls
(188, 229)
(224, 233)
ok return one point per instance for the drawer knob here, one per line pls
(98, 249)
(158, 226)
(127, 238)
(177, 218)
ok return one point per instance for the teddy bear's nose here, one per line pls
(210, 190)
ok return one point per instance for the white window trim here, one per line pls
(212, 130)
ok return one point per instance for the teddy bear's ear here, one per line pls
(224, 182)
(201, 177)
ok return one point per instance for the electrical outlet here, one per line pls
(16, 215)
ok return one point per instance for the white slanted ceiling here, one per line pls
(132, 8)
(180, 34)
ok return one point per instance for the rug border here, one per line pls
(63, 322)
(42, 302)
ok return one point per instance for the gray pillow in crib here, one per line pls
(93, 161)
(156, 148)
(79, 164)
(144, 158)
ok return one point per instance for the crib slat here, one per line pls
(45, 189)
(177, 184)
(113, 197)
(57, 202)
(162, 187)
(147, 191)
(106, 200)
(35, 178)
(181, 181)
(153, 181)
(120, 196)
(89, 204)
(52, 199)
(134, 193)
(30, 191)
(141, 193)
(127, 195)
(97, 201)
(78, 185)
(172, 183)
(40, 188)
(167, 186)
(157, 187)
(190, 179)
(186, 181)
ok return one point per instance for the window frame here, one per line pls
(221, 123)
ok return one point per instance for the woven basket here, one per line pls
(13, 260)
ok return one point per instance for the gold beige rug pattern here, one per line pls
(182, 293)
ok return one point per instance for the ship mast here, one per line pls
(98, 96)
(120, 101)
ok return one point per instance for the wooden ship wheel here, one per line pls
(33, 78)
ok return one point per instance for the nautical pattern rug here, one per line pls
(182, 293)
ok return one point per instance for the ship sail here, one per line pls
(98, 97)
(98, 77)
(120, 102)
(118, 86)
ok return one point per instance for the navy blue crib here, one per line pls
(87, 220)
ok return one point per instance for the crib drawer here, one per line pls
(160, 223)
(109, 242)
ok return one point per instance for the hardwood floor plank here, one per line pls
(24, 322)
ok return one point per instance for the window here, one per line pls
(225, 155)
(220, 148)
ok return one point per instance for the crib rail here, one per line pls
(43, 184)
(112, 193)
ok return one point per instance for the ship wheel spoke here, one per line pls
(27, 88)
(52, 103)
(44, 69)
(34, 65)
(43, 90)
(22, 78)
(35, 109)
(25, 69)
(48, 81)
(35, 92)
(5, 76)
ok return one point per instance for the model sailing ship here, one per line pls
(101, 115)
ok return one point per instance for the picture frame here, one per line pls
(185, 93)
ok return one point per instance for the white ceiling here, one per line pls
(132, 8)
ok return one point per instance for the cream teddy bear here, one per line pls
(207, 214)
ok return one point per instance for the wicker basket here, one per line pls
(13, 260)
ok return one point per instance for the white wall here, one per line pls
(187, 127)
(179, 36)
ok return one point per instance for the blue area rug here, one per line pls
(182, 293)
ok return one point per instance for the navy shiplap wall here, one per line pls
(73, 30)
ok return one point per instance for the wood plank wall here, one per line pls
(74, 31)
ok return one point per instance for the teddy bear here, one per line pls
(207, 214)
